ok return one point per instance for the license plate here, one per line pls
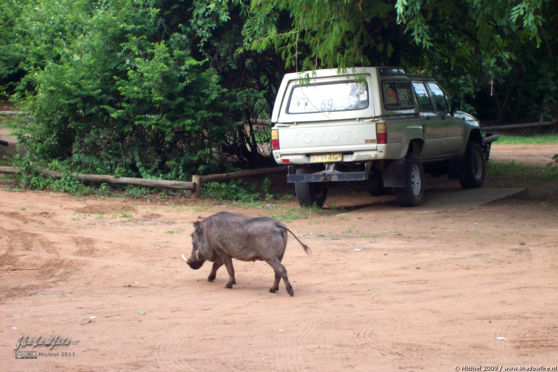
(325, 158)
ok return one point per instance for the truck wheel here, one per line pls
(474, 167)
(310, 193)
(412, 194)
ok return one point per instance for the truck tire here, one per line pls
(412, 194)
(474, 167)
(310, 193)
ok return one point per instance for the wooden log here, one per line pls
(518, 126)
(9, 170)
(241, 174)
(98, 178)
(489, 139)
(194, 186)
(165, 184)
(196, 193)
(10, 113)
(199, 180)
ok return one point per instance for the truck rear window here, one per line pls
(328, 97)
(397, 95)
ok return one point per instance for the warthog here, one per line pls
(224, 236)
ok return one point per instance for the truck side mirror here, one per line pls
(455, 104)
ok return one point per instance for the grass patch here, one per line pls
(290, 214)
(238, 190)
(526, 137)
(515, 171)
(505, 139)
(541, 182)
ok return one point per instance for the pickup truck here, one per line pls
(373, 124)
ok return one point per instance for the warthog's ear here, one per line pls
(197, 225)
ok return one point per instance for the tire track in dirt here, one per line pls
(181, 347)
(292, 345)
(173, 352)
(507, 337)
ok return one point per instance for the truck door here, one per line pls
(434, 128)
(453, 127)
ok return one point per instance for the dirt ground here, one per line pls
(440, 287)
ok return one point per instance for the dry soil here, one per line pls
(439, 287)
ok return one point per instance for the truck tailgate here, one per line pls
(330, 137)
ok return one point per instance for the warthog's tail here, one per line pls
(306, 248)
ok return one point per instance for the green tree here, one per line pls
(154, 88)
(486, 51)
(34, 33)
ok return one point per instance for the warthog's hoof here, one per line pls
(211, 278)
(273, 290)
(230, 284)
(290, 290)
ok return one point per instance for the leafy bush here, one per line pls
(32, 179)
(149, 88)
(238, 190)
(34, 33)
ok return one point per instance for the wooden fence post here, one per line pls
(196, 181)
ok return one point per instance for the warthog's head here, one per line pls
(199, 248)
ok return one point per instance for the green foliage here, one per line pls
(146, 88)
(32, 179)
(498, 56)
(337, 33)
(137, 192)
(507, 139)
(262, 135)
(166, 89)
(238, 190)
(34, 33)
(530, 173)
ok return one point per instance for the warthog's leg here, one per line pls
(216, 265)
(275, 287)
(230, 269)
(280, 272)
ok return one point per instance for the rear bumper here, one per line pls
(326, 176)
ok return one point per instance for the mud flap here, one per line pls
(394, 175)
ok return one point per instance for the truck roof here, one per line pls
(380, 70)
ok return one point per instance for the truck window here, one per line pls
(439, 97)
(328, 97)
(397, 95)
(423, 97)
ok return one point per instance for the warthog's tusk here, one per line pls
(184, 258)
(198, 255)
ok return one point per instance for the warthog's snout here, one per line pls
(194, 264)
